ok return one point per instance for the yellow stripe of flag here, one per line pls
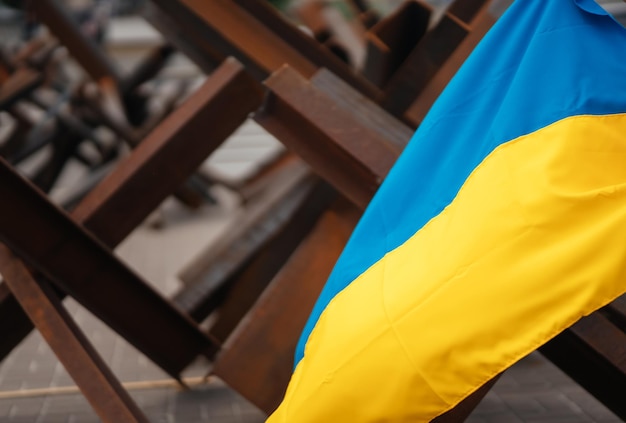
(534, 240)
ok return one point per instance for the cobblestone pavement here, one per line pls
(34, 385)
(533, 391)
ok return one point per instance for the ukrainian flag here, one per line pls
(502, 224)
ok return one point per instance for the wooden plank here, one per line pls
(285, 29)
(235, 271)
(16, 327)
(616, 312)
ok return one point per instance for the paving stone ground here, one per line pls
(535, 391)
(532, 391)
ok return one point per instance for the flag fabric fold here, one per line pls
(502, 223)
